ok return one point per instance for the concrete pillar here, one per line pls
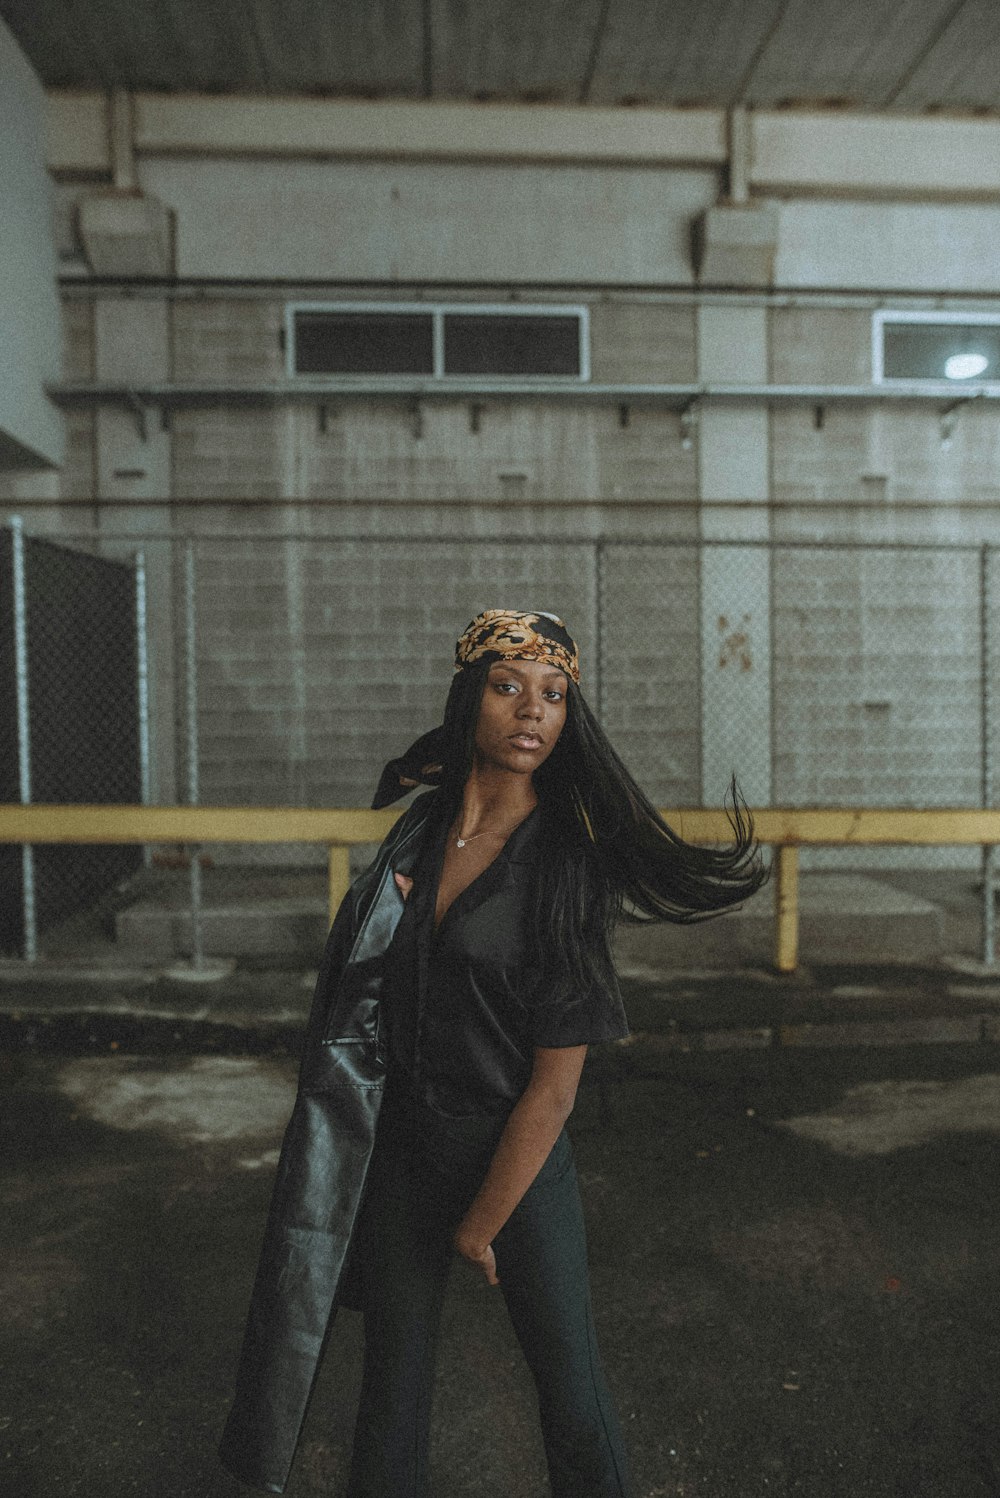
(133, 461)
(131, 348)
(734, 464)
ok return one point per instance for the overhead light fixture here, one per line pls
(965, 366)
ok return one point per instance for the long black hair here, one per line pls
(612, 856)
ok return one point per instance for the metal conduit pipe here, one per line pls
(87, 285)
(92, 393)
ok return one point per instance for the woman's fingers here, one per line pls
(473, 1253)
(489, 1266)
(404, 883)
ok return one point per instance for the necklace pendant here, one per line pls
(461, 842)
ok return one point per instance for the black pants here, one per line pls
(424, 1173)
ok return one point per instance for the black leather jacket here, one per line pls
(321, 1173)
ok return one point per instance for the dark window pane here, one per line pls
(364, 343)
(921, 351)
(487, 344)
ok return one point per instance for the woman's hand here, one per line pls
(403, 883)
(476, 1254)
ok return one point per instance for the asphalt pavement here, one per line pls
(793, 1260)
(790, 1186)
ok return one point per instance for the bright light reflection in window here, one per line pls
(965, 366)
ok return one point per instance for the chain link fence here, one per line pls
(284, 669)
(71, 720)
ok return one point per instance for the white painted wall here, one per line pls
(31, 429)
(419, 221)
(933, 247)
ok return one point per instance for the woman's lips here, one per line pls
(526, 740)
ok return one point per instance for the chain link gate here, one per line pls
(73, 678)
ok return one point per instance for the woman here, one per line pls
(464, 979)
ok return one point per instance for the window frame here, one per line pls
(944, 319)
(438, 311)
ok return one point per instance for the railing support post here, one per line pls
(786, 908)
(340, 876)
(989, 907)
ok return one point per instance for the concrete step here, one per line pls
(279, 927)
(842, 916)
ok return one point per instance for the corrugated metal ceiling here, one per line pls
(900, 55)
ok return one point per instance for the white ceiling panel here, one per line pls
(856, 51)
(962, 71)
(684, 51)
(269, 46)
(510, 49)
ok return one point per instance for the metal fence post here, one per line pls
(142, 685)
(191, 684)
(599, 631)
(23, 733)
(339, 876)
(986, 685)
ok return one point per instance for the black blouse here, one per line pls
(462, 1007)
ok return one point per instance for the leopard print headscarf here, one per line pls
(507, 635)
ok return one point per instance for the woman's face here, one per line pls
(521, 716)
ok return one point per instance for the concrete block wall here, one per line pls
(877, 689)
(302, 697)
(887, 454)
(371, 450)
(651, 691)
(320, 659)
(227, 452)
(226, 338)
(880, 453)
(643, 341)
(501, 450)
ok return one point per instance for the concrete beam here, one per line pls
(859, 155)
(255, 125)
(767, 152)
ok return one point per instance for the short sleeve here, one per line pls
(588, 1019)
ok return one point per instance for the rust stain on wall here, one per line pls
(734, 647)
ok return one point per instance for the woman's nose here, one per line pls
(531, 708)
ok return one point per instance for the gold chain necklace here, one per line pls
(460, 842)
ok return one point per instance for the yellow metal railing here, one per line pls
(786, 829)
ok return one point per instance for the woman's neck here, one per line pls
(495, 800)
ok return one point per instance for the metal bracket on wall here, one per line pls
(138, 410)
(689, 425)
(948, 416)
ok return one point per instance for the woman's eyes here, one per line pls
(552, 692)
